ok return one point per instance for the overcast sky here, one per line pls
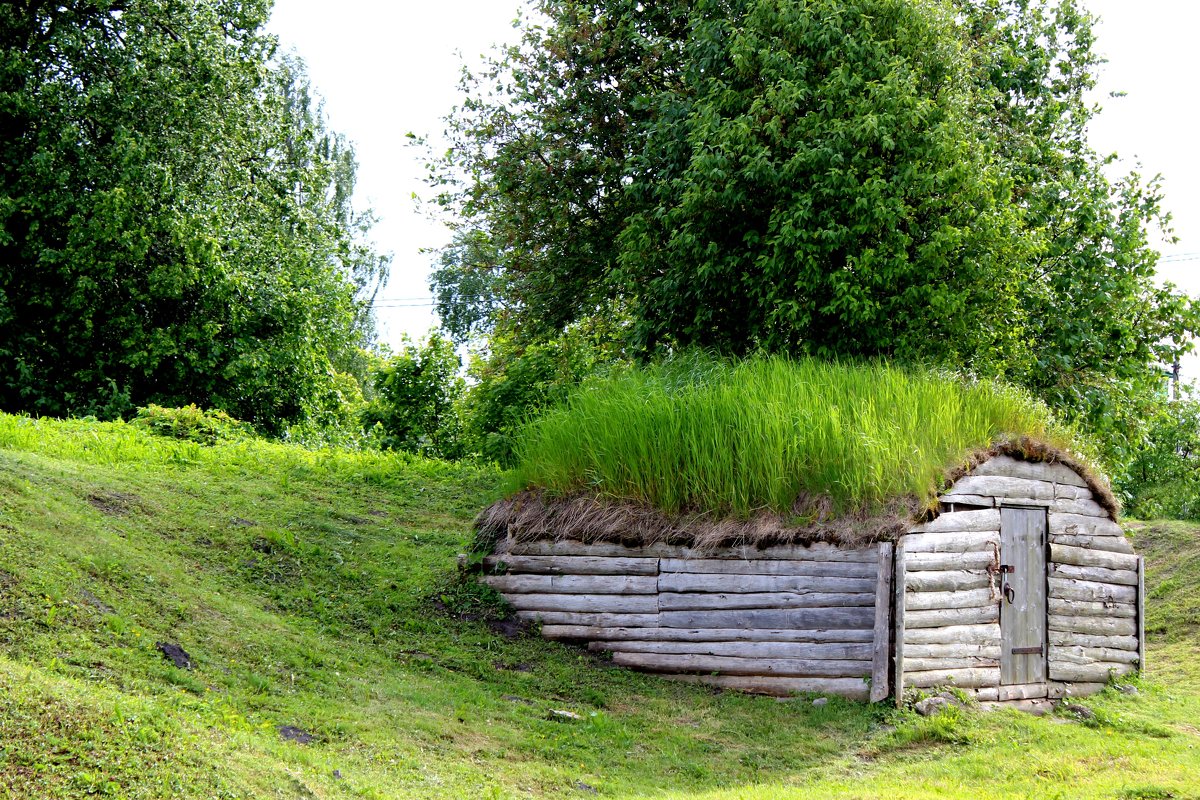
(386, 68)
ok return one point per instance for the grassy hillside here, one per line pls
(317, 596)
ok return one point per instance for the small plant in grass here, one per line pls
(192, 424)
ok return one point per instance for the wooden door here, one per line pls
(1023, 595)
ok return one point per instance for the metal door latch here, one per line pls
(1027, 651)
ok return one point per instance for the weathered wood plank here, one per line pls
(1091, 655)
(948, 562)
(987, 519)
(570, 547)
(988, 633)
(1141, 616)
(1066, 492)
(1068, 589)
(967, 500)
(586, 603)
(1094, 626)
(1087, 508)
(768, 650)
(948, 650)
(761, 567)
(591, 620)
(1022, 691)
(915, 664)
(723, 665)
(1084, 557)
(720, 583)
(799, 618)
(852, 688)
(1057, 690)
(1112, 544)
(1023, 620)
(705, 634)
(988, 694)
(1084, 608)
(951, 542)
(1009, 467)
(966, 678)
(1080, 525)
(1121, 577)
(1087, 673)
(573, 584)
(700, 601)
(898, 627)
(881, 647)
(1023, 489)
(969, 598)
(940, 617)
(572, 565)
(1064, 639)
(950, 581)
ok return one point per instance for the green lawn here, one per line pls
(319, 591)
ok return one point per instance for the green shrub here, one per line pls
(192, 424)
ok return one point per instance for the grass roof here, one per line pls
(797, 440)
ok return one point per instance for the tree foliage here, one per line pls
(175, 218)
(416, 403)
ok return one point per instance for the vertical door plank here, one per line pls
(1023, 620)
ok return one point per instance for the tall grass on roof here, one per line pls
(701, 434)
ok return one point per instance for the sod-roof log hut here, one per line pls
(1019, 585)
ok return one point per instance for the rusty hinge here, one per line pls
(1025, 651)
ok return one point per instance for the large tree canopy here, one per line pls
(175, 219)
(838, 177)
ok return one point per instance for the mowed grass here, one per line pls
(319, 591)
(699, 433)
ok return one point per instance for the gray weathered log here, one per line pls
(705, 634)
(1022, 489)
(570, 547)
(937, 618)
(950, 581)
(852, 688)
(1068, 589)
(1087, 673)
(1111, 544)
(954, 650)
(1064, 639)
(915, 664)
(688, 582)
(1094, 626)
(1022, 691)
(881, 647)
(898, 627)
(987, 694)
(970, 598)
(951, 541)
(1121, 577)
(951, 634)
(585, 603)
(1091, 655)
(1057, 690)
(784, 667)
(591, 620)
(1081, 525)
(987, 519)
(786, 650)
(945, 562)
(700, 601)
(1009, 467)
(1083, 557)
(967, 678)
(573, 565)
(1088, 508)
(1085, 608)
(968, 500)
(799, 618)
(763, 567)
(1066, 492)
(1141, 617)
(573, 584)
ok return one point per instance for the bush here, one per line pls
(1164, 478)
(192, 424)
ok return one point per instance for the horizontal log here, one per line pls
(964, 521)
(1022, 691)
(1094, 626)
(704, 634)
(1087, 673)
(586, 603)
(1064, 639)
(987, 694)
(699, 601)
(988, 633)
(1121, 577)
(1084, 557)
(991, 651)
(951, 541)
(966, 678)
(688, 582)
(948, 562)
(814, 569)
(570, 547)
(852, 688)
(572, 565)
(968, 500)
(1087, 508)
(1004, 487)
(1112, 544)
(799, 618)
(1056, 690)
(930, 664)
(1009, 467)
(970, 598)
(590, 620)
(1081, 525)
(939, 617)
(1085, 608)
(1091, 655)
(1065, 492)
(816, 552)
(1068, 589)
(949, 581)
(784, 667)
(787, 650)
(573, 584)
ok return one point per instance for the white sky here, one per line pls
(387, 67)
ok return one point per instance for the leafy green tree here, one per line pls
(417, 394)
(175, 224)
